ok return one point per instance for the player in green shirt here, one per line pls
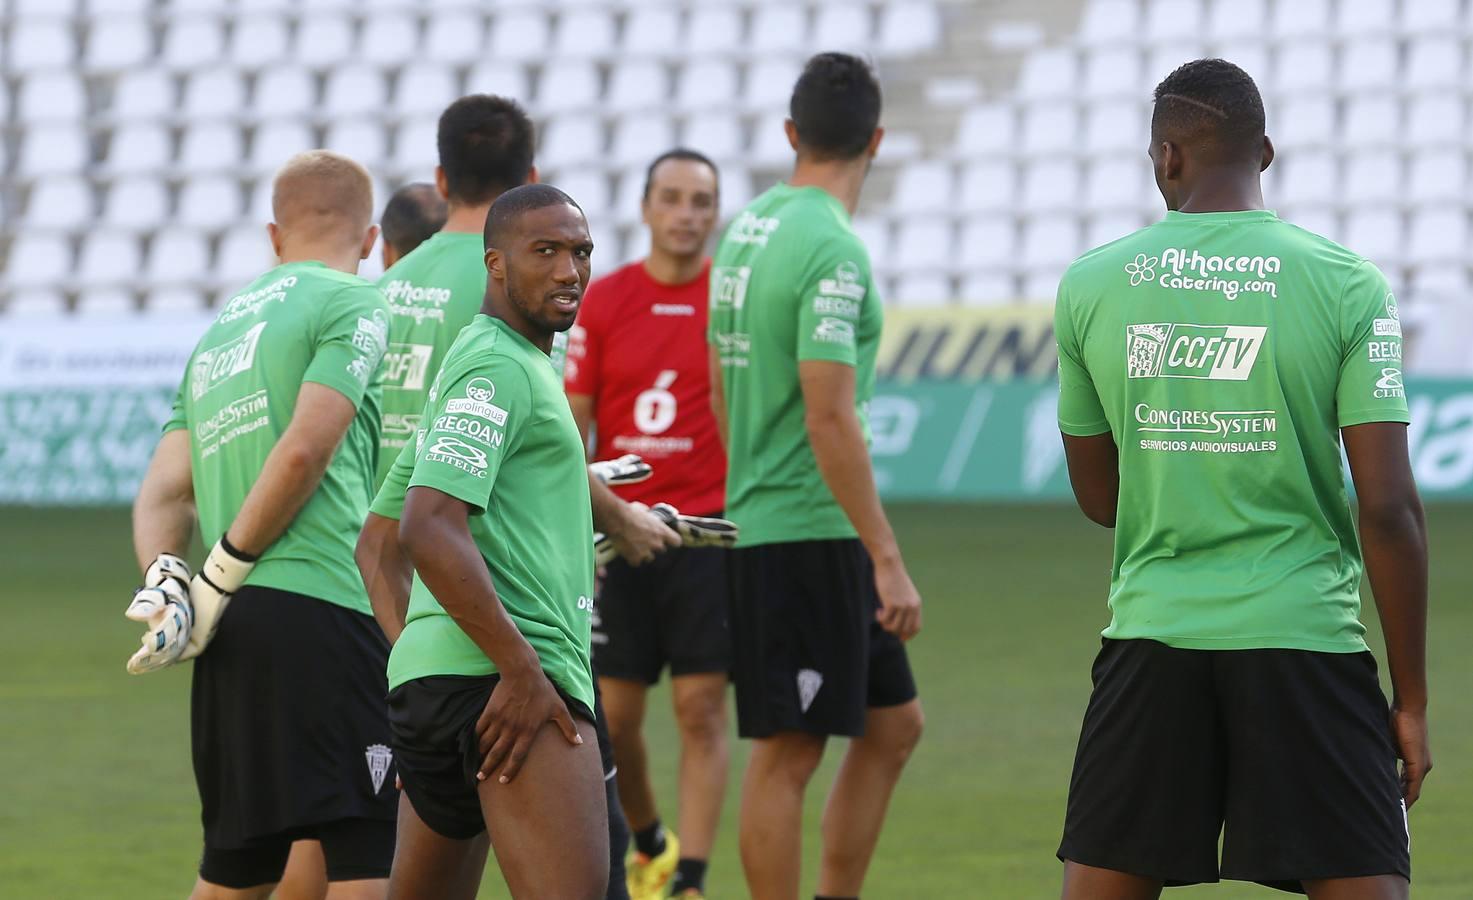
(492, 665)
(1211, 367)
(821, 600)
(271, 446)
(414, 214)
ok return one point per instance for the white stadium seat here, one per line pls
(1430, 16)
(1322, 220)
(1050, 128)
(987, 289)
(52, 96)
(285, 91)
(258, 41)
(736, 190)
(770, 83)
(57, 203)
(276, 142)
(985, 130)
(388, 39)
(1303, 66)
(770, 143)
(423, 88)
(587, 33)
(1308, 178)
(1050, 242)
(363, 139)
(210, 201)
(988, 185)
(705, 83)
(875, 235)
(1172, 23)
(628, 192)
(38, 260)
(1371, 120)
(136, 203)
(100, 302)
(922, 289)
(1112, 72)
(637, 85)
(245, 252)
(654, 31)
(109, 258)
(1438, 235)
(353, 90)
(571, 139)
(454, 37)
(640, 138)
(178, 256)
(1116, 127)
(569, 86)
(214, 94)
(1116, 183)
(35, 303)
(416, 151)
(211, 147)
(40, 45)
(1042, 285)
(1373, 177)
(922, 243)
(1233, 19)
(1050, 185)
(1107, 227)
(1365, 17)
(846, 27)
(1300, 18)
(1368, 64)
(1053, 72)
(1251, 55)
(924, 187)
(1436, 119)
(519, 34)
(779, 29)
(587, 186)
(324, 39)
(1437, 175)
(713, 29)
(906, 28)
(989, 242)
(118, 44)
(1304, 122)
(193, 42)
(143, 94)
(176, 299)
(718, 135)
(52, 150)
(1375, 233)
(1434, 62)
(1109, 23)
(506, 79)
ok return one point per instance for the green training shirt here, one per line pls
(790, 282)
(433, 293)
(299, 322)
(1223, 352)
(500, 437)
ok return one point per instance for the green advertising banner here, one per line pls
(999, 441)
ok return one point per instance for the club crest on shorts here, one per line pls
(809, 681)
(379, 757)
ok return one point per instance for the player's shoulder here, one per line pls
(1327, 256)
(1109, 258)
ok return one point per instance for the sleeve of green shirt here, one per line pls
(351, 341)
(1080, 412)
(389, 501)
(836, 285)
(1370, 387)
(478, 417)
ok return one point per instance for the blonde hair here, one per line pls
(320, 190)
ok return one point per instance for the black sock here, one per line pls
(689, 873)
(650, 841)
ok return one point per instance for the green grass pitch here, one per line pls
(99, 798)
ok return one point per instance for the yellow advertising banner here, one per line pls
(969, 343)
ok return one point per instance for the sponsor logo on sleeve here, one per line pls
(1191, 270)
(215, 366)
(834, 331)
(729, 286)
(456, 453)
(477, 402)
(1391, 325)
(472, 427)
(1209, 352)
(845, 288)
(1383, 351)
(1389, 385)
(407, 365)
(370, 339)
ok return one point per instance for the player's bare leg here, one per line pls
(429, 865)
(778, 772)
(1083, 882)
(624, 705)
(861, 793)
(305, 877)
(549, 826)
(1377, 887)
(203, 890)
(705, 754)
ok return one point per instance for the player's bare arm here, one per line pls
(1094, 474)
(387, 572)
(1394, 539)
(718, 394)
(838, 445)
(638, 535)
(164, 514)
(436, 535)
(293, 469)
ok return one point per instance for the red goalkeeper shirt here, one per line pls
(639, 350)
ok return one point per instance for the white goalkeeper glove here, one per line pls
(694, 531)
(698, 531)
(162, 604)
(223, 573)
(627, 469)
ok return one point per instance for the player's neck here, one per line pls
(344, 260)
(842, 178)
(498, 306)
(1225, 193)
(467, 219)
(667, 268)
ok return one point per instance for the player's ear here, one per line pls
(369, 239)
(1171, 160)
(874, 142)
(442, 184)
(1268, 154)
(273, 231)
(495, 264)
(792, 132)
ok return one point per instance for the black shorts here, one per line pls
(287, 720)
(669, 610)
(354, 849)
(807, 652)
(1287, 753)
(434, 725)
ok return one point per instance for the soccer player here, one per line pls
(412, 216)
(1211, 366)
(637, 369)
(820, 600)
(492, 666)
(271, 446)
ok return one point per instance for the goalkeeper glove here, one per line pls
(627, 469)
(163, 604)
(698, 531)
(223, 573)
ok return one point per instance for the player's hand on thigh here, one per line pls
(900, 602)
(520, 704)
(162, 604)
(1412, 746)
